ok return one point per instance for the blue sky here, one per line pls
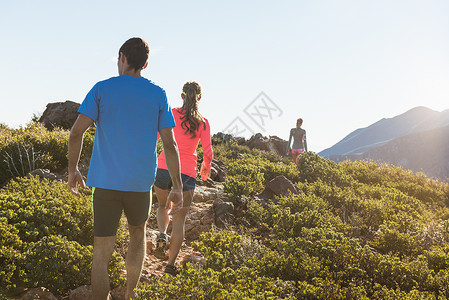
(340, 65)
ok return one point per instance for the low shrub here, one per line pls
(196, 283)
(11, 259)
(39, 208)
(58, 264)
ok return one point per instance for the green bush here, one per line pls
(313, 167)
(39, 208)
(45, 237)
(62, 265)
(10, 255)
(243, 180)
(58, 264)
(196, 283)
(217, 247)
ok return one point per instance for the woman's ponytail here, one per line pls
(192, 119)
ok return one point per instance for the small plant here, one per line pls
(25, 160)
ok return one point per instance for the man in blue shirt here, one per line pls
(129, 111)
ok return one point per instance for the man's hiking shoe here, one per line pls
(171, 270)
(161, 245)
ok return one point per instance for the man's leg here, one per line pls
(134, 257)
(178, 222)
(103, 248)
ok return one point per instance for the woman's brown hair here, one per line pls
(191, 119)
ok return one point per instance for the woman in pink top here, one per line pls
(191, 127)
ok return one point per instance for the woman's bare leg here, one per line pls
(162, 212)
(178, 222)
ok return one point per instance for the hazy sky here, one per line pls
(340, 65)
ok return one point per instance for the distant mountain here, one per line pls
(426, 151)
(415, 120)
(417, 140)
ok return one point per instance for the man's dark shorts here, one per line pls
(109, 204)
(163, 181)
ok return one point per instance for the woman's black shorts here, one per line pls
(163, 181)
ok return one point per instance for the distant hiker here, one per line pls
(191, 127)
(299, 141)
(129, 111)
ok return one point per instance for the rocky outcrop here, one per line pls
(221, 137)
(279, 186)
(223, 212)
(218, 171)
(272, 144)
(60, 114)
(82, 293)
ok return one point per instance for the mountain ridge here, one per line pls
(415, 120)
(424, 149)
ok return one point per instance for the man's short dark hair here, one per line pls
(136, 51)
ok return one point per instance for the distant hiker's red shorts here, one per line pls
(297, 151)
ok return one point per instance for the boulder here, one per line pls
(218, 171)
(118, 293)
(279, 186)
(38, 293)
(82, 293)
(221, 207)
(60, 114)
(195, 231)
(205, 193)
(272, 144)
(222, 138)
(208, 218)
(193, 259)
(223, 212)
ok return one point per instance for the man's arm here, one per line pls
(173, 165)
(82, 123)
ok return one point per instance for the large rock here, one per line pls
(38, 293)
(272, 144)
(81, 293)
(223, 212)
(222, 138)
(279, 186)
(204, 193)
(60, 114)
(193, 259)
(218, 171)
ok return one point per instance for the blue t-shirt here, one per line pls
(128, 111)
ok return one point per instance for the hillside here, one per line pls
(383, 131)
(426, 151)
(271, 230)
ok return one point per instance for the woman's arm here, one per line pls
(208, 153)
(289, 141)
